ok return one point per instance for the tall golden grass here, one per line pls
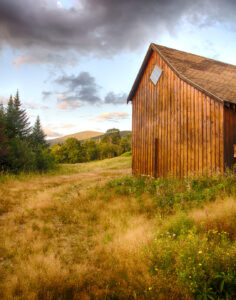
(68, 236)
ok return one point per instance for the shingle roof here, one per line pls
(215, 78)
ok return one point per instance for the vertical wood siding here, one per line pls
(230, 135)
(177, 129)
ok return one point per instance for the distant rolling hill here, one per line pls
(123, 133)
(84, 135)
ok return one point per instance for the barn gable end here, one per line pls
(178, 128)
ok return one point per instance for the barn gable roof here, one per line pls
(214, 78)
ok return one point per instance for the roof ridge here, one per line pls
(208, 58)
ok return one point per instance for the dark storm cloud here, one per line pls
(112, 98)
(103, 27)
(84, 79)
(81, 89)
(46, 94)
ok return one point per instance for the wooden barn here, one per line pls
(183, 114)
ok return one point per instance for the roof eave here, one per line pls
(140, 73)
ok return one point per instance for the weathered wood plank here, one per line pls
(221, 117)
(196, 131)
(209, 148)
(213, 136)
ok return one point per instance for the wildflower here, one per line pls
(156, 269)
(150, 288)
(200, 252)
(200, 265)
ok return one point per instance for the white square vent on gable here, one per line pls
(156, 73)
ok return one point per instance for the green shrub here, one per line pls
(21, 156)
(43, 159)
(204, 266)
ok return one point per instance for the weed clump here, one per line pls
(170, 195)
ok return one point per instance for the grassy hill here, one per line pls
(94, 231)
(83, 135)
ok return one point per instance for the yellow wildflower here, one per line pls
(200, 252)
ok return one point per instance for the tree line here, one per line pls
(74, 151)
(22, 147)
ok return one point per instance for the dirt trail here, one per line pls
(18, 193)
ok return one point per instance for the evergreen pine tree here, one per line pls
(37, 136)
(10, 119)
(3, 139)
(21, 120)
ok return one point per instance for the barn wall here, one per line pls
(230, 135)
(177, 129)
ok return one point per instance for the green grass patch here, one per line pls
(170, 195)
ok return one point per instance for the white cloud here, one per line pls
(59, 4)
(112, 116)
(50, 133)
(64, 105)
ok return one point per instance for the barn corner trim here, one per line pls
(154, 47)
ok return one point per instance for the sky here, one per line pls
(75, 61)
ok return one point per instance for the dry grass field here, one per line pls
(91, 231)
